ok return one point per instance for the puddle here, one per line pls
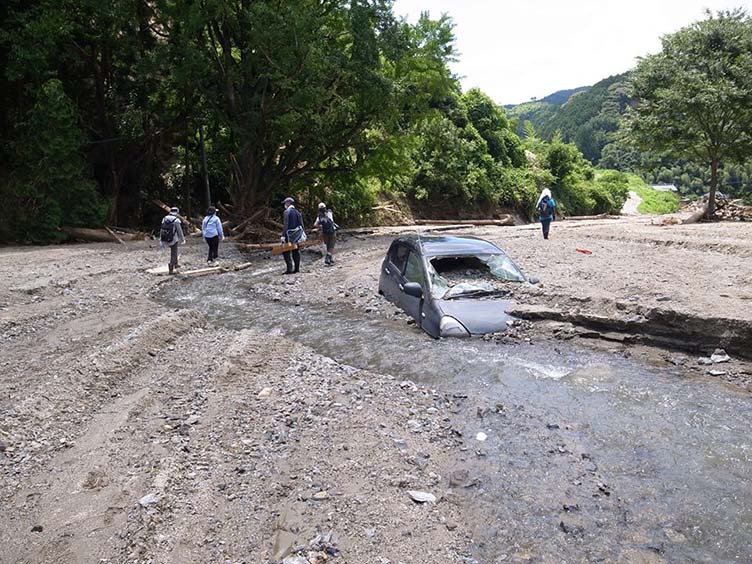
(676, 452)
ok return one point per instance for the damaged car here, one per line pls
(452, 286)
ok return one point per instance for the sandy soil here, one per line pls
(132, 432)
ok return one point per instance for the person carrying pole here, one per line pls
(293, 233)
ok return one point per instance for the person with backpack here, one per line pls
(292, 233)
(171, 235)
(546, 208)
(325, 220)
(211, 229)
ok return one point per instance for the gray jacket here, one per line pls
(178, 237)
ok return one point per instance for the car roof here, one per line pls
(438, 245)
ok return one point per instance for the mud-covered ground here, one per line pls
(133, 430)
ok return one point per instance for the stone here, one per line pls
(265, 393)
(717, 372)
(719, 356)
(37, 529)
(192, 420)
(481, 436)
(320, 496)
(674, 536)
(295, 560)
(703, 360)
(148, 499)
(421, 497)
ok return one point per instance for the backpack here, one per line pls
(167, 231)
(327, 225)
(545, 209)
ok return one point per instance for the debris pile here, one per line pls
(728, 210)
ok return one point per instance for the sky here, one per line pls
(520, 49)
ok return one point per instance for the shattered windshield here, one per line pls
(478, 275)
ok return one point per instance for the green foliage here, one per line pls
(51, 185)
(653, 201)
(694, 99)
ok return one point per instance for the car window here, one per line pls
(399, 257)
(414, 270)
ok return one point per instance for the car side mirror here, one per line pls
(534, 280)
(413, 289)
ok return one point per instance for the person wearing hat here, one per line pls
(325, 220)
(211, 229)
(171, 235)
(292, 232)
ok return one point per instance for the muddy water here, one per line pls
(653, 466)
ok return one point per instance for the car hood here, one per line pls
(479, 316)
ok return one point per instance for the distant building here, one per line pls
(664, 187)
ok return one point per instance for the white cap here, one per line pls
(322, 205)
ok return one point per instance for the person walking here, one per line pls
(171, 235)
(325, 221)
(211, 229)
(292, 233)
(546, 208)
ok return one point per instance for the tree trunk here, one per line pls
(713, 186)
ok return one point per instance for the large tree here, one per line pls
(300, 84)
(694, 98)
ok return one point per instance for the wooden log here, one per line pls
(91, 235)
(166, 208)
(111, 232)
(697, 216)
(599, 216)
(508, 220)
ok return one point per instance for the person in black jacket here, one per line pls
(292, 232)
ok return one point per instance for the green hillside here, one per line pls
(591, 118)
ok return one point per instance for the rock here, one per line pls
(674, 536)
(421, 497)
(678, 360)
(265, 393)
(703, 360)
(320, 496)
(148, 499)
(481, 436)
(717, 372)
(192, 420)
(3, 446)
(295, 560)
(719, 356)
(663, 299)
(37, 529)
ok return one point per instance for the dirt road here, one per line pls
(230, 419)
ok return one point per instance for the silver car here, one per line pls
(452, 286)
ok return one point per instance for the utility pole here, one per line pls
(203, 160)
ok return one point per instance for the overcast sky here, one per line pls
(514, 50)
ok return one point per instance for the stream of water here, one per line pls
(676, 451)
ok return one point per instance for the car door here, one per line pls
(413, 272)
(393, 267)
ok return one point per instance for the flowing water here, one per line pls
(658, 464)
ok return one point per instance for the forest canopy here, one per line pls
(107, 106)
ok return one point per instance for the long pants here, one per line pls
(213, 243)
(545, 225)
(329, 240)
(290, 258)
(173, 255)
